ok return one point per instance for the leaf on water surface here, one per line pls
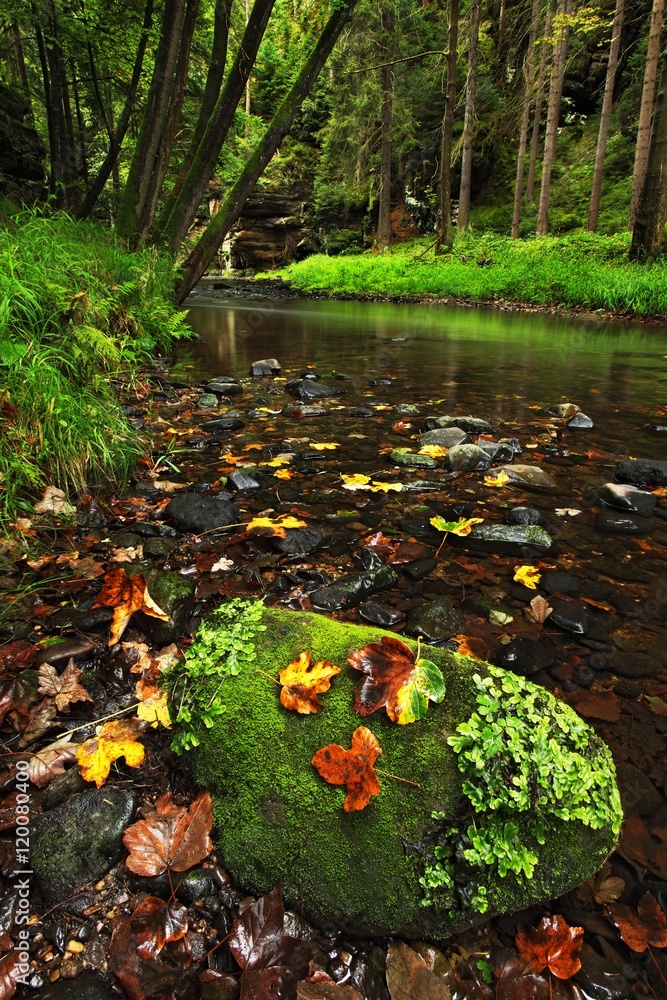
(47, 764)
(285, 474)
(515, 978)
(303, 680)
(643, 927)
(501, 479)
(63, 688)
(379, 487)
(552, 945)
(126, 594)
(139, 950)
(529, 576)
(539, 609)
(278, 462)
(274, 527)
(324, 445)
(409, 977)
(353, 768)
(604, 705)
(462, 527)
(170, 836)
(395, 679)
(114, 740)
(357, 481)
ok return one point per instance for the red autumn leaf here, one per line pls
(18, 693)
(170, 836)
(303, 680)
(352, 768)
(553, 945)
(646, 926)
(396, 679)
(10, 970)
(139, 951)
(516, 979)
(638, 845)
(17, 656)
(126, 594)
(604, 705)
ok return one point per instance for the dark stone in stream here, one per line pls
(571, 616)
(657, 428)
(434, 621)
(531, 477)
(308, 390)
(367, 558)
(224, 388)
(77, 843)
(626, 663)
(627, 498)
(474, 425)
(504, 537)
(265, 367)
(152, 529)
(412, 460)
(299, 541)
(642, 472)
(174, 595)
(420, 568)
(158, 548)
(61, 652)
(580, 422)
(564, 410)
(80, 619)
(513, 443)
(446, 437)
(468, 458)
(639, 795)
(380, 614)
(524, 515)
(198, 513)
(193, 886)
(125, 540)
(232, 422)
(418, 526)
(299, 411)
(406, 410)
(243, 480)
(525, 657)
(362, 411)
(348, 591)
(498, 451)
(561, 583)
(613, 522)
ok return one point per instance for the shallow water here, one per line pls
(489, 362)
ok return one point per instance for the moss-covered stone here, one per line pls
(279, 824)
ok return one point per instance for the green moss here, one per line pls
(279, 823)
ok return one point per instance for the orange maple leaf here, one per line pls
(353, 768)
(303, 680)
(126, 594)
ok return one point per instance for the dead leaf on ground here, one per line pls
(515, 978)
(644, 927)
(139, 950)
(353, 768)
(303, 680)
(63, 688)
(602, 888)
(170, 836)
(552, 945)
(114, 740)
(54, 501)
(41, 719)
(126, 594)
(604, 705)
(409, 977)
(47, 764)
(638, 845)
(539, 609)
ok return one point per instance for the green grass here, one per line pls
(577, 270)
(77, 314)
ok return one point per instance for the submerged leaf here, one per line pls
(303, 680)
(395, 679)
(648, 926)
(353, 768)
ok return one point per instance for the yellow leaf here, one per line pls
(284, 474)
(529, 576)
(325, 446)
(155, 710)
(253, 447)
(502, 479)
(462, 527)
(355, 482)
(303, 680)
(385, 487)
(276, 463)
(276, 526)
(114, 740)
(433, 451)
(231, 459)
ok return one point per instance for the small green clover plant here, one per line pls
(224, 646)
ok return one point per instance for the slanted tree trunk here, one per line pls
(646, 108)
(605, 117)
(205, 158)
(553, 112)
(539, 100)
(648, 236)
(111, 159)
(528, 81)
(153, 121)
(231, 208)
(469, 121)
(383, 238)
(215, 73)
(445, 237)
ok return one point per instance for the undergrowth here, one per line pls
(77, 312)
(575, 270)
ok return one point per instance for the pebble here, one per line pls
(243, 480)
(571, 616)
(580, 422)
(474, 425)
(642, 472)
(207, 400)
(524, 515)
(380, 614)
(445, 437)
(196, 512)
(434, 621)
(525, 657)
(232, 422)
(412, 460)
(532, 477)
(512, 536)
(350, 590)
(308, 390)
(224, 388)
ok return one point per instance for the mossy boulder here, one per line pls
(410, 863)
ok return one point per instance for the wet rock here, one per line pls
(224, 388)
(626, 663)
(87, 986)
(445, 437)
(420, 568)
(498, 451)
(642, 472)
(571, 616)
(564, 410)
(503, 537)
(614, 522)
(412, 460)
(529, 476)
(561, 583)
(152, 529)
(174, 595)
(580, 422)
(194, 512)
(367, 558)
(513, 443)
(628, 498)
(62, 788)
(231, 422)
(524, 515)
(60, 653)
(158, 548)
(267, 366)
(298, 411)
(348, 591)
(244, 480)
(307, 390)
(357, 871)
(657, 428)
(380, 614)
(79, 842)
(362, 411)
(195, 885)
(473, 425)
(525, 657)
(125, 540)
(468, 458)
(639, 795)
(406, 410)
(434, 621)
(299, 541)
(597, 980)
(207, 400)
(84, 620)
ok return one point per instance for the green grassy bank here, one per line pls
(577, 270)
(77, 313)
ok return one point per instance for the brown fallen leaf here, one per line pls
(552, 945)
(40, 720)
(170, 836)
(63, 688)
(303, 680)
(602, 888)
(316, 988)
(539, 609)
(409, 977)
(604, 705)
(47, 764)
(126, 594)
(353, 768)
(647, 926)
(54, 501)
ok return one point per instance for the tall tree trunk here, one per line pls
(469, 122)
(153, 122)
(553, 113)
(648, 236)
(231, 208)
(63, 163)
(528, 81)
(247, 86)
(205, 158)
(15, 33)
(215, 73)
(81, 130)
(48, 104)
(539, 99)
(111, 159)
(445, 237)
(383, 237)
(605, 117)
(646, 108)
(163, 154)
